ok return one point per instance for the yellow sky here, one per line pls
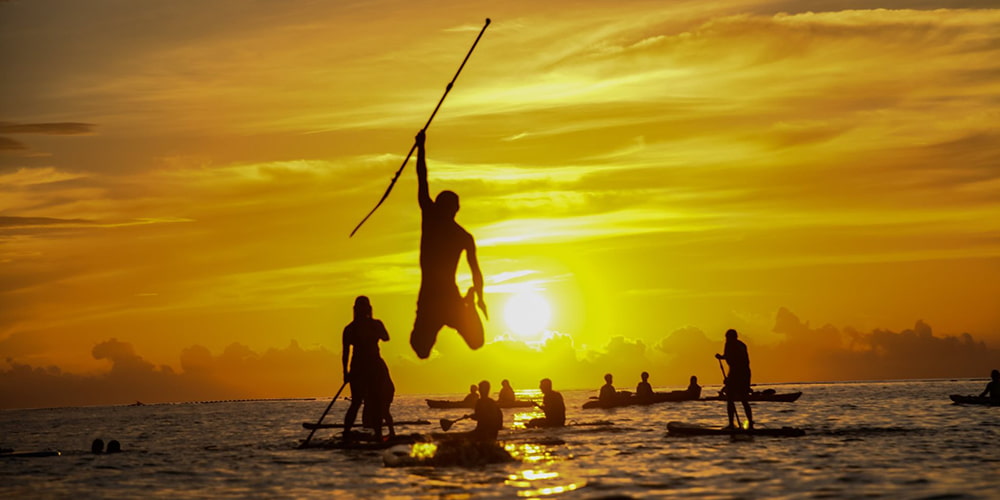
(182, 177)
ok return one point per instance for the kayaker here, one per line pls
(488, 416)
(472, 396)
(552, 405)
(694, 390)
(737, 382)
(644, 389)
(442, 241)
(608, 392)
(506, 393)
(368, 375)
(993, 388)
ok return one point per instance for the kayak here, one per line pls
(441, 403)
(632, 400)
(764, 396)
(974, 400)
(29, 454)
(446, 453)
(313, 426)
(684, 429)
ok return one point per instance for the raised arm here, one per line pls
(423, 190)
(477, 275)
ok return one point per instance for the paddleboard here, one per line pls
(313, 425)
(685, 429)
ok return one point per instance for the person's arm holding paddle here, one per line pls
(346, 356)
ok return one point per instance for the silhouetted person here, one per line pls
(737, 383)
(608, 392)
(472, 397)
(644, 389)
(488, 416)
(369, 377)
(993, 387)
(114, 446)
(506, 394)
(442, 241)
(552, 405)
(694, 390)
(97, 446)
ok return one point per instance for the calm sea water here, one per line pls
(865, 440)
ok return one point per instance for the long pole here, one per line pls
(428, 124)
(321, 417)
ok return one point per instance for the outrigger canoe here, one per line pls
(974, 400)
(763, 396)
(441, 403)
(684, 429)
(633, 400)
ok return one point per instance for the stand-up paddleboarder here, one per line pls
(442, 241)
(737, 382)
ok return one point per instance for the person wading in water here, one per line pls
(442, 241)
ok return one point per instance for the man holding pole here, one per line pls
(737, 383)
(442, 241)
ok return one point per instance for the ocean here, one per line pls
(893, 439)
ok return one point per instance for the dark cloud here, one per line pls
(60, 128)
(18, 222)
(804, 354)
(7, 144)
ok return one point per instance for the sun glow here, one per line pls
(527, 314)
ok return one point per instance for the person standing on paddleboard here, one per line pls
(737, 382)
(369, 377)
(442, 241)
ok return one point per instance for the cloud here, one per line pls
(7, 144)
(23, 222)
(63, 128)
(802, 353)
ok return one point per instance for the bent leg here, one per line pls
(467, 323)
(424, 335)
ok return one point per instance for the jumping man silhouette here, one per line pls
(442, 241)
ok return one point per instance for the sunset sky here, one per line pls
(178, 181)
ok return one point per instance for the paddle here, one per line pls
(446, 424)
(736, 413)
(321, 417)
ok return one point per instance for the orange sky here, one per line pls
(182, 177)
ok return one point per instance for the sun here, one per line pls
(527, 313)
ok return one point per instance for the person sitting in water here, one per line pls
(644, 389)
(97, 446)
(608, 392)
(472, 396)
(114, 446)
(992, 388)
(506, 394)
(552, 405)
(488, 417)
